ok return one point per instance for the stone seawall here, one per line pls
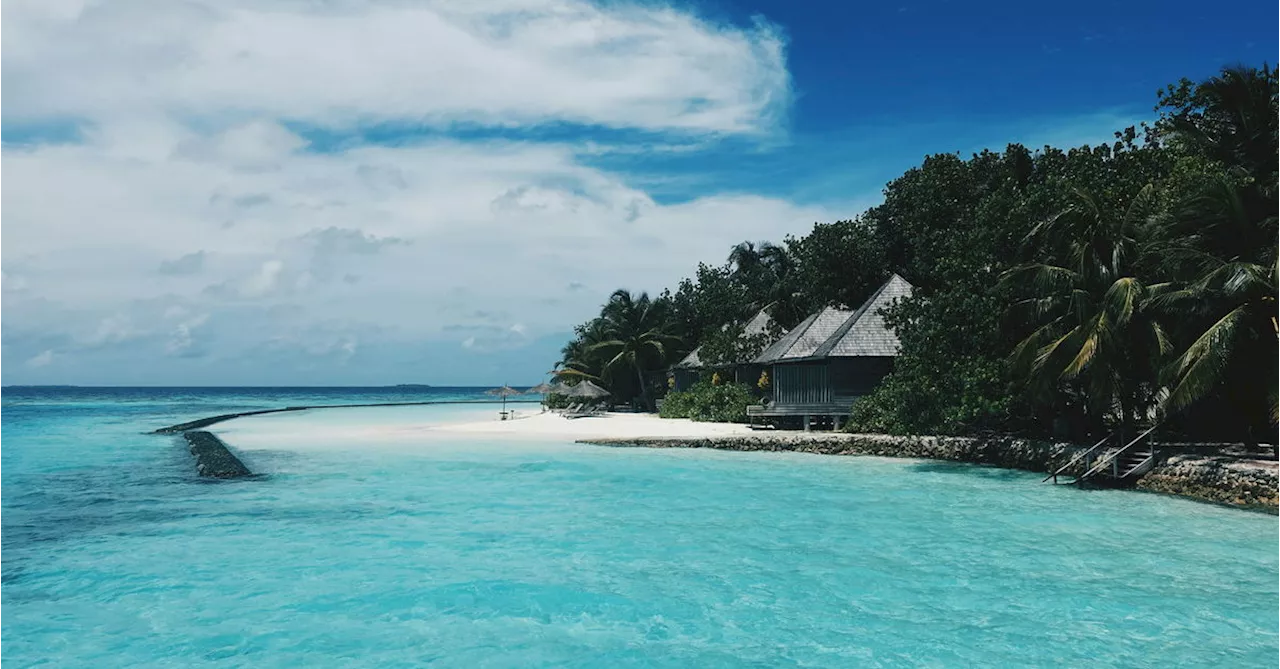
(997, 451)
(1250, 484)
(1234, 481)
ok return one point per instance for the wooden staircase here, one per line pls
(1110, 466)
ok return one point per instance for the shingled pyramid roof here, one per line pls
(865, 332)
(842, 333)
(759, 324)
(806, 337)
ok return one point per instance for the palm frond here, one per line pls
(1199, 370)
(1040, 277)
(1123, 299)
(1093, 335)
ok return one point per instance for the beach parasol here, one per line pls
(503, 392)
(543, 389)
(588, 390)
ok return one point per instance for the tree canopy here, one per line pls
(1057, 291)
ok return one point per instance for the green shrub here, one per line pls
(970, 396)
(705, 402)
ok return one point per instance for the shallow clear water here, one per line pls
(471, 553)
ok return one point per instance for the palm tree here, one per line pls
(1229, 307)
(1241, 341)
(1093, 326)
(1223, 235)
(576, 358)
(1229, 118)
(636, 337)
(768, 272)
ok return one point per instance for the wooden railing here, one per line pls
(1077, 458)
(1109, 459)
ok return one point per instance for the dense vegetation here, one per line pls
(711, 402)
(1063, 291)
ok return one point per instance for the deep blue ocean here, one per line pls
(474, 553)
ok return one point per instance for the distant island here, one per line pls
(411, 385)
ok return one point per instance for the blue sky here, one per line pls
(437, 192)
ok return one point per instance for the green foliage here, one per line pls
(730, 345)
(968, 396)
(942, 383)
(837, 263)
(1093, 324)
(1056, 290)
(624, 347)
(725, 403)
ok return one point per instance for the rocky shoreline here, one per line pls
(1234, 480)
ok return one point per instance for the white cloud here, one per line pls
(410, 246)
(510, 62)
(112, 330)
(191, 220)
(41, 359)
(264, 280)
(182, 339)
(12, 283)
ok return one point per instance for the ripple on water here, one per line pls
(491, 554)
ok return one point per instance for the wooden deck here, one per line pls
(836, 411)
(777, 410)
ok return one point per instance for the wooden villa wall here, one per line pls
(801, 383)
(827, 385)
(685, 378)
(855, 377)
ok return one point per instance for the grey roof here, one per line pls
(806, 337)
(841, 333)
(691, 361)
(865, 333)
(759, 324)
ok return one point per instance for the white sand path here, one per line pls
(607, 426)
(323, 430)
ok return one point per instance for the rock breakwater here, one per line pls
(213, 458)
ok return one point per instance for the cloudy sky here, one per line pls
(222, 192)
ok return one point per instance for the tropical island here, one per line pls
(1123, 292)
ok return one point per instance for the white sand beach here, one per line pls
(406, 428)
(607, 426)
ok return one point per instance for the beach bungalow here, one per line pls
(692, 367)
(831, 358)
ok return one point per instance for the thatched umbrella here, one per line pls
(543, 389)
(587, 390)
(504, 392)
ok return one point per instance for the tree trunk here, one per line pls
(644, 389)
(1251, 441)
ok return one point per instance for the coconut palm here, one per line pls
(1229, 118)
(1223, 236)
(1240, 344)
(1229, 306)
(1093, 326)
(637, 338)
(768, 273)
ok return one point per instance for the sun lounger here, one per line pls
(584, 411)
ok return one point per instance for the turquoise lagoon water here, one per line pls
(476, 553)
